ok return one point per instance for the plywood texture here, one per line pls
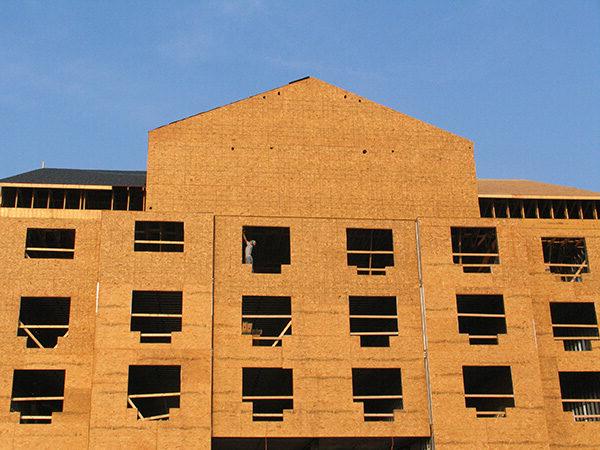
(295, 157)
(310, 149)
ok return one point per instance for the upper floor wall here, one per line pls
(310, 149)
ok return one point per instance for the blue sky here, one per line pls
(81, 82)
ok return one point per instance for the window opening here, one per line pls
(575, 324)
(370, 250)
(136, 199)
(98, 199)
(36, 394)
(50, 243)
(559, 208)
(481, 317)
(270, 390)
(267, 319)
(501, 208)
(266, 248)
(9, 197)
(566, 257)
(380, 392)
(488, 389)
(486, 207)
(475, 249)
(580, 394)
(43, 320)
(24, 197)
(515, 209)
(73, 199)
(153, 391)
(158, 236)
(156, 315)
(40, 198)
(374, 319)
(57, 199)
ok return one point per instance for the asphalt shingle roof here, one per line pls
(80, 177)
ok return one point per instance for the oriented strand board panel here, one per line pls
(321, 352)
(310, 149)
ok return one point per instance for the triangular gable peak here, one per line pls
(310, 149)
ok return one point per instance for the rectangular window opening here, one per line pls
(489, 390)
(270, 390)
(374, 319)
(24, 197)
(580, 394)
(153, 391)
(515, 209)
(575, 324)
(266, 248)
(36, 394)
(136, 199)
(158, 236)
(50, 243)
(9, 197)
(156, 315)
(486, 207)
(40, 198)
(475, 249)
(588, 209)
(371, 251)
(57, 199)
(98, 199)
(380, 392)
(481, 317)
(566, 257)
(42, 320)
(267, 319)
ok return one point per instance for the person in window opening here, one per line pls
(248, 250)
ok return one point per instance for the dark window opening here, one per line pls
(559, 209)
(98, 199)
(380, 392)
(50, 243)
(24, 197)
(73, 199)
(580, 394)
(481, 317)
(267, 319)
(486, 207)
(158, 236)
(501, 208)
(370, 250)
(153, 391)
(270, 390)
(545, 210)
(40, 198)
(136, 199)
(475, 249)
(57, 199)
(36, 394)
(566, 257)
(531, 209)
(120, 198)
(515, 209)
(42, 320)
(574, 209)
(9, 197)
(266, 248)
(374, 319)
(588, 209)
(575, 324)
(156, 315)
(320, 443)
(488, 389)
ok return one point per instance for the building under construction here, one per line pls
(391, 299)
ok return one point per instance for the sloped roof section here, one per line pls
(132, 178)
(488, 187)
